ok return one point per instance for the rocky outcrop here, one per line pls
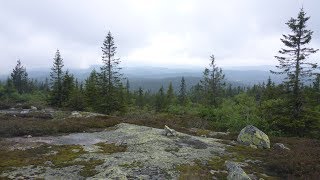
(253, 137)
(235, 172)
(149, 154)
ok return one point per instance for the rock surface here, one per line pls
(253, 137)
(236, 172)
(149, 154)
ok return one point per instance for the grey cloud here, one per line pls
(233, 30)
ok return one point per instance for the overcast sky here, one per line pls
(166, 33)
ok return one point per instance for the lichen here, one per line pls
(134, 164)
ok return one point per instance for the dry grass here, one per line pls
(20, 126)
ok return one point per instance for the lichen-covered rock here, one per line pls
(280, 146)
(33, 108)
(253, 137)
(149, 154)
(236, 172)
(169, 132)
(75, 114)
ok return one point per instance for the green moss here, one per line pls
(195, 171)
(89, 167)
(202, 132)
(132, 165)
(111, 148)
(242, 153)
(39, 155)
(201, 170)
(66, 155)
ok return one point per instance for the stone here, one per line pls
(27, 136)
(33, 108)
(253, 137)
(25, 111)
(75, 150)
(280, 146)
(75, 114)
(48, 163)
(169, 131)
(235, 172)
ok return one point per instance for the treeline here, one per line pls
(290, 108)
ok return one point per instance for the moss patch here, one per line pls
(194, 171)
(66, 155)
(202, 132)
(59, 156)
(89, 167)
(111, 148)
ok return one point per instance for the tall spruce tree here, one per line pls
(76, 100)
(19, 78)
(160, 102)
(92, 91)
(56, 75)
(68, 86)
(110, 77)
(316, 90)
(299, 118)
(170, 95)
(213, 83)
(140, 98)
(182, 98)
(128, 94)
(293, 61)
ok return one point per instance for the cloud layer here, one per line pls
(148, 32)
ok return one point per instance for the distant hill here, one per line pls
(154, 77)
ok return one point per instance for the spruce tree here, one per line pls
(170, 95)
(316, 90)
(182, 93)
(128, 94)
(213, 83)
(160, 100)
(9, 89)
(68, 86)
(128, 86)
(19, 78)
(92, 91)
(110, 78)
(76, 99)
(197, 93)
(269, 91)
(56, 75)
(140, 99)
(293, 62)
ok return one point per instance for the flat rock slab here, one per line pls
(149, 155)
